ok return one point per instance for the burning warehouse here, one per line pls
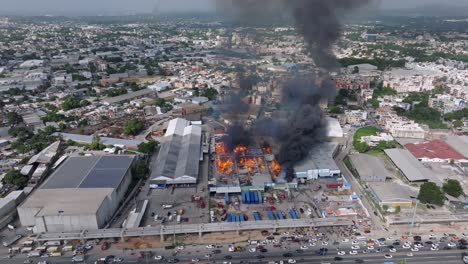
(243, 168)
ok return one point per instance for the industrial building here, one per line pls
(435, 151)
(370, 168)
(409, 166)
(83, 193)
(392, 194)
(180, 154)
(117, 142)
(319, 163)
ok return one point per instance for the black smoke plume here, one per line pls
(298, 125)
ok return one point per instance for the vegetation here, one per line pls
(70, 103)
(453, 188)
(95, 144)
(361, 132)
(423, 114)
(27, 141)
(148, 147)
(133, 127)
(457, 115)
(13, 118)
(429, 192)
(344, 95)
(116, 92)
(209, 93)
(15, 178)
(165, 106)
(139, 171)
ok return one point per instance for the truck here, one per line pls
(11, 241)
(178, 219)
(52, 243)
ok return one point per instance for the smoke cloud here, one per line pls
(298, 125)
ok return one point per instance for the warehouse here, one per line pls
(409, 166)
(370, 168)
(180, 154)
(392, 194)
(319, 163)
(83, 193)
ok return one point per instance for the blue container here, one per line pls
(291, 213)
(247, 198)
(229, 218)
(252, 197)
(257, 216)
(270, 215)
(241, 217)
(226, 198)
(260, 198)
(280, 215)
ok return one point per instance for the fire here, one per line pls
(267, 150)
(276, 167)
(220, 148)
(240, 149)
(225, 166)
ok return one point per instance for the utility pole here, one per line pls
(414, 216)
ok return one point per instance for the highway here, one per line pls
(193, 228)
(428, 257)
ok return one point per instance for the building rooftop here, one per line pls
(436, 149)
(409, 165)
(130, 143)
(90, 172)
(334, 129)
(370, 168)
(389, 191)
(128, 96)
(320, 158)
(459, 144)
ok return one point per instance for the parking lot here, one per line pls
(180, 199)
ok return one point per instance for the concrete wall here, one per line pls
(60, 223)
(27, 215)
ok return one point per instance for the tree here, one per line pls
(147, 147)
(397, 209)
(457, 123)
(14, 118)
(133, 127)
(139, 170)
(429, 192)
(453, 188)
(95, 144)
(355, 70)
(385, 208)
(210, 93)
(14, 177)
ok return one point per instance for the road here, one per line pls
(428, 257)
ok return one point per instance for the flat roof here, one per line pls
(103, 140)
(90, 172)
(459, 143)
(370, 168)
(320, 158)
(128, 96)
(409, 165)
(390, 191)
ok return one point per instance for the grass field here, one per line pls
(361, 132)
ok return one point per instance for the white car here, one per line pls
(365, 251)
(393, 250)
(341, 253)
(180, 247)
(158, 257)
(252, 250)
(370, 247)
(432, 235)
(208, 256)
(434, 248)
(451, 244)
(419, 245)
(291, 261)
(312, 244)
(324, 243)
(406, 246)
(355, 242)
(388, 256)
(410, 254)
(231, 249)
(304, 247)
(210, 246)
(118, 259)
(355, 247)
(415, 249)
(195, 260)
(353, 252)
(345, 240)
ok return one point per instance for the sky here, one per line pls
(112, 7)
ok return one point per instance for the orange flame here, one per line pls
(267, 150)
(276, 167)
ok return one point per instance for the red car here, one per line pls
(105, 245)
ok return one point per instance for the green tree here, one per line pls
(14, 177)
(210, 93)
(95, 144)
(397, 209)
(457, 123)
(147, 147)
(14, 118)
(133, 127)
(139, 170)
(429, 192)
(453, 188)
(385, 208)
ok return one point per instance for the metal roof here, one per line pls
(320, 158)
(131, 143)
(90, 172)
(180, 152)
(129, 96)
(409, 165)
(389, 191)
(370, 168)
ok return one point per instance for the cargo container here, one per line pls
(243, 197)
(52, 243)
(34, 254)
(255, 195)
(280, 215)
(252, 197)
(247, 198)
(226, 198)
(26, 249)
(260, 198)
(334, 185)
(53, 249)
(257, 216)
(241, 217)
(67, 248)
(178, 219)
(56, 254)
(270, 215)
(292, 213)
(229, 218)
